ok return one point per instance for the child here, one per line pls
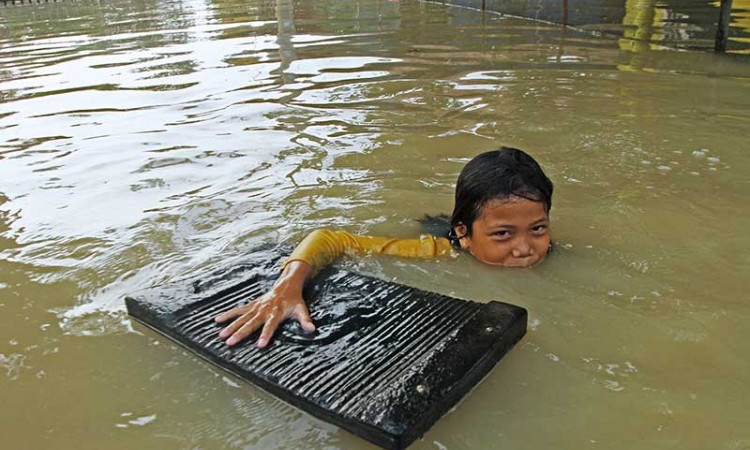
(501, 217)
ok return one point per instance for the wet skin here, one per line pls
(284, 300)
(512, 232)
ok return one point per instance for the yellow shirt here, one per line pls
(321, 247)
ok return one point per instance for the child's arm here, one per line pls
(322, 247)
(319, 249)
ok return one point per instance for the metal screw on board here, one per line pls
(422, 389)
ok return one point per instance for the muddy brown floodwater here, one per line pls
(144, 140)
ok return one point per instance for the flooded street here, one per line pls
(141, 141)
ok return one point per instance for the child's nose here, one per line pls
(522, 248)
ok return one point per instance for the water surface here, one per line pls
(144, 140)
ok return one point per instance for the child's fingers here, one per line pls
(237, 324)
(268, 329)
(245, 329)
(235, 312)
(303, 316)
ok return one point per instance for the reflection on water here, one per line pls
(642, 24)
(142, 141)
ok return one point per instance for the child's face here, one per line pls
(512, 232)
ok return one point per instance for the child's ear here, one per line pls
(461, 231)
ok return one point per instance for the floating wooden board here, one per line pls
(385, 362)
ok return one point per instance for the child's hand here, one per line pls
(282, 302)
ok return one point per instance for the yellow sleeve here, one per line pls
(321, 247)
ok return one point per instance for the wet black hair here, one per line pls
(497, 174)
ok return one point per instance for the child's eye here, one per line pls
(539, 229)
(502, 233)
